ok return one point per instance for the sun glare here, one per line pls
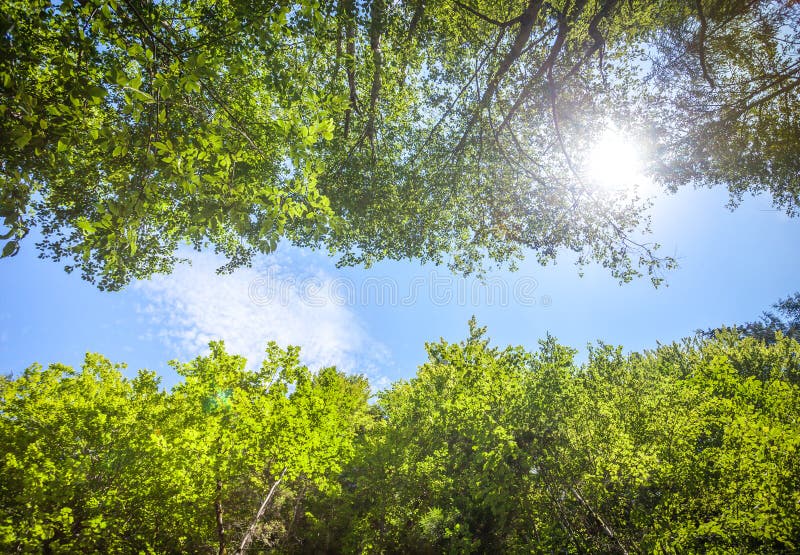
(614, 163)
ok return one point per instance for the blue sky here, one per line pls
(733, 265)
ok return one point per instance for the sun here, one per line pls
(615, 163)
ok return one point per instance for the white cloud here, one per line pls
(278, 299)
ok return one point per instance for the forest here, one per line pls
(454, 133)
(689, 447)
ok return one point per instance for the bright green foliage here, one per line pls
(94, 462)
(77, 459)
(452, 132)
(448, 454)
(689, 448)
(239, 431)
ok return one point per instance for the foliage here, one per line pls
(94, 462)
(75, 466)
(692, 447)
(452, 132)
(131, 127)
(724, 104)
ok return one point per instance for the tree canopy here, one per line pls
(452, 132)
(97, 463)
(691, 447)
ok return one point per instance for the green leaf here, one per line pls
(97, 92)
(135, 50)
(22, 136)
(10, 249)
(141, 96)
(119, 77)
(85, 226)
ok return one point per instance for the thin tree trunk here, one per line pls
(701, 44)
(248, 537)
(605, 527)
(220, 524)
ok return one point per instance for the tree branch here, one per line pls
(461, 92)
(701, 44)
(486, 18)
(375, 30)
(608, 531)
(209, 89)
(564, 26)
(419, 11)
(349, 13)
(526, 21)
